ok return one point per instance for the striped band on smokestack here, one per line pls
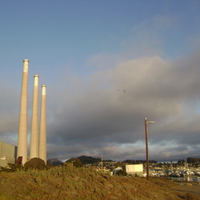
(23, 116)
(34, 122)
(42, 143)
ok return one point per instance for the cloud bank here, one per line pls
(105, 114)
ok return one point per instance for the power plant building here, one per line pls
(8, 154)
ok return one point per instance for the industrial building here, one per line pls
(8, 154)
(134, 169)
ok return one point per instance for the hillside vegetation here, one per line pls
(63, 182)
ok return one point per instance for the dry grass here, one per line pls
(81, 183)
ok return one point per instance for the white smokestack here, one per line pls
(23, 117)
(42, 143)
(34, 122)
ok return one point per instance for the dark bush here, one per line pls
(76, 162)
(35, 163)
(121, 173)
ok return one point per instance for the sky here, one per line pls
(107, 65)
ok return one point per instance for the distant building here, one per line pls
(8, 154)
(116, 170)
(134, 169)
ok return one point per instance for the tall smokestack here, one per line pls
(23, 117)
(42, 143)
(34, 122)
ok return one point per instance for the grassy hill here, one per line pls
(60, 183)
(88, 159)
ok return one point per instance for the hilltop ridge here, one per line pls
(86, 183)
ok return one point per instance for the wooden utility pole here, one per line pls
(147, 148)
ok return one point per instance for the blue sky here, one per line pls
(87, 53)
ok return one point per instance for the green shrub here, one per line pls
(76, 162)
(35, 163)
(121, 173)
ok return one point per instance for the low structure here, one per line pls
(8, 154)
(133, 169)
(116, 170)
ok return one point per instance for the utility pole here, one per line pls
(102, 161)
(147, 149)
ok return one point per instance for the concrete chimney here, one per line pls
(23, 116)
(42, 142)
(34, 123)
